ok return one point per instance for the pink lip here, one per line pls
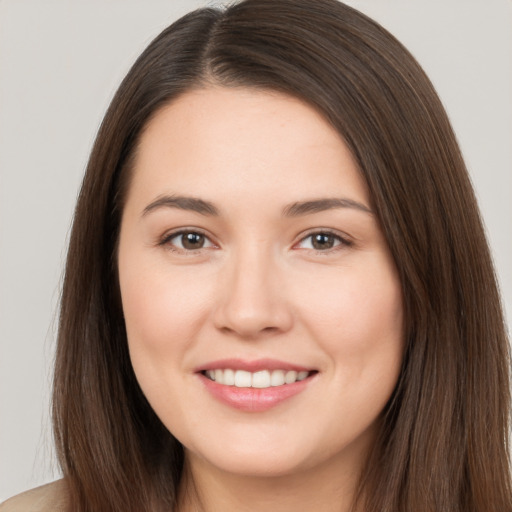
(253, 399)
(251, 366)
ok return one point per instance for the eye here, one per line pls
(322, 241)
(187, 241)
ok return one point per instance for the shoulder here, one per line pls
(47, 498)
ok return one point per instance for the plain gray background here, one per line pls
(60, 62)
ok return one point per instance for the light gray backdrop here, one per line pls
(60, 62)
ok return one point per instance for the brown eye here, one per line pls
(323, 241)
(188, 241)
(192, 240)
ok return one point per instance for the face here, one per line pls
(262, 307)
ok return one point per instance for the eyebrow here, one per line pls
(319, 205)
(296, 209)
(182, 203)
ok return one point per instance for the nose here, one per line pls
(253, 301)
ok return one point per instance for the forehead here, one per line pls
(221, 140)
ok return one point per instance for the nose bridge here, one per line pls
(254, 300)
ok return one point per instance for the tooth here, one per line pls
(277, 378)
(229, 377)
(261, 379)
(242, 379)
(290, 377)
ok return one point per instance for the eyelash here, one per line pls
(166, 241)
(340, 241)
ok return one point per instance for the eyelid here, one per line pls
(165, 239)
(344, 239)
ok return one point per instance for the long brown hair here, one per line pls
(443, 441)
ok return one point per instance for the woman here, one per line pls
(278, 292)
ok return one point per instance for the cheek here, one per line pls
(163, 310)
(359, 325)
(357, 317)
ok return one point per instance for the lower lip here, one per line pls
(254, 399)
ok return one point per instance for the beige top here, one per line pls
(47, 498)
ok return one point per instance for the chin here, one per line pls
(263, 464)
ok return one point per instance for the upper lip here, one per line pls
(251, 366)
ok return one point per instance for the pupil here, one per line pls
(192, 241)
(323, 241)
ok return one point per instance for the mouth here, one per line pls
(255, 386)
(261, 379)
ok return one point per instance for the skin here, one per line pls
(258, 288)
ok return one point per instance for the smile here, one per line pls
(255, 386)
(261, 379)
